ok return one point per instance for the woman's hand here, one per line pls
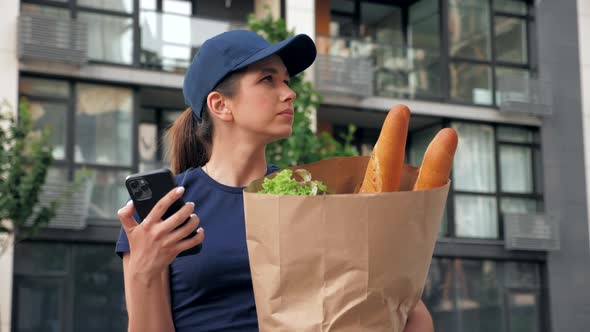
(155, 243)
(419, 319)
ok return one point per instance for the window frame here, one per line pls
(69, 163)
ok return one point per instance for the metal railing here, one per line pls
(364, 68)
(523, 94)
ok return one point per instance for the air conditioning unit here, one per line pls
(47, 38)
(531, 232)
(74, 203)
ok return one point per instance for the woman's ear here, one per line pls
(218, 105)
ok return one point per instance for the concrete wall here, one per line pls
(8, 91)
(563, 162)
(584, 46)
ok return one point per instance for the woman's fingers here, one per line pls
(163, 204)
(183, 231)
(190, 242)
(125, 215)
(177, 218)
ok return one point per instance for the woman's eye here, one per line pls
(287, 82)
(267, 78)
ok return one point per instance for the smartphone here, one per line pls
(147, 188)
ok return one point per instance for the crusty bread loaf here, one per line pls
(384, 169)
(438, 160)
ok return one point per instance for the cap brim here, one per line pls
(297, 53)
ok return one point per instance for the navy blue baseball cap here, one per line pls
(234, 50)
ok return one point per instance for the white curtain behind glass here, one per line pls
(516, 169)
(474, 165)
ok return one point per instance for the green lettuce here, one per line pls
(285, 184)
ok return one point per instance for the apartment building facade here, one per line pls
(513, 252)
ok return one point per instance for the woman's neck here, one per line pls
(236, 165)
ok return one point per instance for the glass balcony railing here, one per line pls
(169, 41)
(358, 67)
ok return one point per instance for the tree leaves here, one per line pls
(303, 146)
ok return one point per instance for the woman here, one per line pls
(238, 91)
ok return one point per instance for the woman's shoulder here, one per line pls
(187, 177)
(272, 168)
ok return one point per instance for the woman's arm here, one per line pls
(154, 244)
(148, 301)
(419, 319)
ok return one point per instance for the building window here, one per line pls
(110, 25)
(92, 128)
(482, 43)
(496, 170)
(483, 295)
(68, 287)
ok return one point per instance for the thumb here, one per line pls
(125, 215)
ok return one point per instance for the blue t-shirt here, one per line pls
(212, 290)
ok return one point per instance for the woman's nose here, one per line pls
(288, 94)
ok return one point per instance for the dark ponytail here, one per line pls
(189, 140)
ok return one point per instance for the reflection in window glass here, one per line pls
(474, 164)
(57, 174)
(103, 125)
(424, 40)
(511, 39)
(419, 141)
(518, 205)
(539, 183)
(51, 116)
(476, 216)
(147, 4)
(125, 6)
(181, 7)
(523, 307)
(469, 29)
(46, 11)
(381, 23)
(516, 169)
(471, 83)
(98, 290)
(344, 6)
(108, 194)
(512, 85)
(40, 301)
(522, 275)
(43, 87)
(110, 38)
(481, 295)
(40, 258)
(510, 6)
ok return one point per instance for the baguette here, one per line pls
(438, 160)
(384, 169)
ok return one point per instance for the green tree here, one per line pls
(303, 146)
(25, 158)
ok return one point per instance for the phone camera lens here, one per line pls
(138, 193)
(134, 184)
(144, 187)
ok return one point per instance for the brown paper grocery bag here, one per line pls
(342, 262)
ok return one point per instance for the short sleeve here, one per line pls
(122, 245)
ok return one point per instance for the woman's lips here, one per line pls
(287, 112)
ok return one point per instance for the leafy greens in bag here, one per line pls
(285, 184)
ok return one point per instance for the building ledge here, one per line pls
(104, 72)
(437, 109)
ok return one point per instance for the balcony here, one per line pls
(170, 41)
(364, 69)
(523, 94)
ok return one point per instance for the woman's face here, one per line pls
(263, 105)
